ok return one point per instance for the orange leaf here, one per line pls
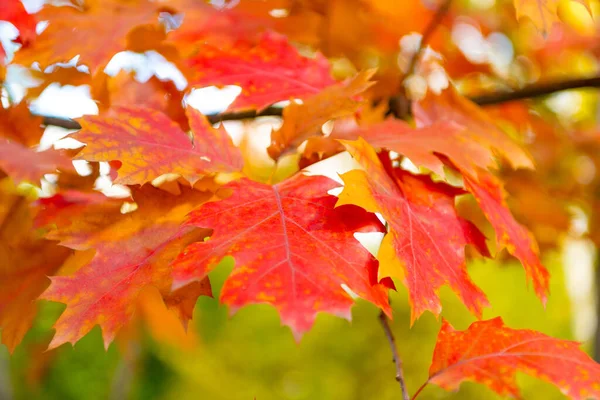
(124, 90)
(519, 242)
(292, 249)
(18, 125)
(149, 144)
(481, 128)
(21, 163)
(25, 262)
(425, 244)
(89, 34)
(300, 121)
(133, 251)
(422, 145)
(268, 72)
(491, 353)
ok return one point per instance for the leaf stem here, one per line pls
(395, 356)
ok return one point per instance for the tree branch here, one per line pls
(436, 20)
(482, 100)
(395, 356)
(536, 91)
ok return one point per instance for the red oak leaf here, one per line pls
(26, 260)
(268, 72)
(209, 24)
(128, 133)
(425, 244)
(21, 163)
(491, 353)
(292, 249)
(422, 145)
(18, 125)
(14, 12)
(124, 90)
(89, 35)
(519, 242)
(481, 128)
(133, 251)
(301, 121)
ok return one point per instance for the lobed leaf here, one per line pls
(490, 353)
(517, 240)
(426, 239)
(292, 250)
(301, 121)
(132, 251)
(23, 164)
(268, 72)
(149, 144)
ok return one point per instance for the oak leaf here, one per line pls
(127, 134)
(301, 121)
(518, 241)
(490, 353)
(23, 164)
(292, 250)
(124, 89)
(132, 251)
(480, 128)
(89, 34)
(426, 239)
(19, 125)
(26, 259)
(269, 71)
(422, 145)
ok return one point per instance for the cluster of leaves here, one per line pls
(195, 197)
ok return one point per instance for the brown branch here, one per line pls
(436, 20)
(483, 100)
(68, 123)
(538, 90)
(395, 356)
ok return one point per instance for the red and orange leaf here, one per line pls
(301, 121)
(149, 144)
(422, 145)
(221, 26)
(491, 353)
(292, 250)
(26, 260)
(519, 242)
(125, 90)
(425, 244)
(270, 71)
(89, 34)
(23, 164)
(18, 125)
(133, 251)
(14, 12)
(480, 128)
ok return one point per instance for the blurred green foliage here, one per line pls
(251, 356)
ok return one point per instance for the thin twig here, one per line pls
(436, 20)
(395, 356)
(482, 100)
(536, 91)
